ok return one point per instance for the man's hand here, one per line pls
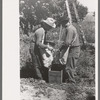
(50, 48)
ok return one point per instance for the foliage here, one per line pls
(37, 10)
(86, 65)
(89, 31)
(33, 11)
(24, 50)
(81, 10)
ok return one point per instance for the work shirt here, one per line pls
(71, 34)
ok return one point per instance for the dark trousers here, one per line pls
(40, 71)
(35, 61)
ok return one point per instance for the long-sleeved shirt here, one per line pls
(71, 34)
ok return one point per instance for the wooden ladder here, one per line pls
(77, 17)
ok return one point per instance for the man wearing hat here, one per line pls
(38, 45)
(70, 50)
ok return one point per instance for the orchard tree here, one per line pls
(82, 10)
(33, 11)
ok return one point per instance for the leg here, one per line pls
(35, 65)
(70, 69)
(71, 63)
(45, 74)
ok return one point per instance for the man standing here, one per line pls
(37, 46)
(71, 47)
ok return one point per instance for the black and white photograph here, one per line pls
(57, 40)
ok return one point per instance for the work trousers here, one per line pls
(35, 60)
(40, 71)
(69, 70)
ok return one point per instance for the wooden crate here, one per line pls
(55, 76)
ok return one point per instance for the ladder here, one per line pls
(77, 17)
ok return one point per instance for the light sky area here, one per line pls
(91, 4)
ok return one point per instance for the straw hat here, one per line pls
(50, 22)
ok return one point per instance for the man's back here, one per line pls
(71, 35)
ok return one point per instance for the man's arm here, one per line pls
(69, 37)
(68, 40)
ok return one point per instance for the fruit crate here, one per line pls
(55, 76)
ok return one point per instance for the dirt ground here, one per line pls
(32, 89)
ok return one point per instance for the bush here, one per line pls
(24, 50)
(89, 31)
(86, 65)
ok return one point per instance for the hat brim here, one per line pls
(53, 26)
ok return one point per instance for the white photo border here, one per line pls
(11, 50)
